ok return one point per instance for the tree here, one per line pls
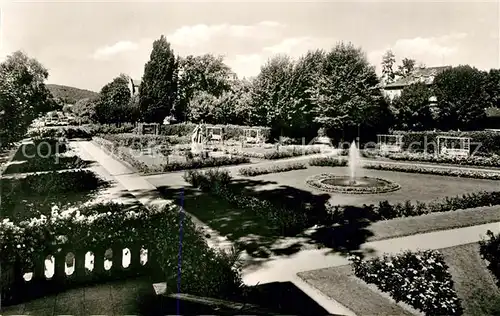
(461, 97)
(206, 73)
(158, 89)
(23, 95)
(406, 68)
(113, 104)
(85, 110)
(346, 92)
(493, 87)
(271, 93)
(388, 61)
(413, 108)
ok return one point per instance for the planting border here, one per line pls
(316, 182)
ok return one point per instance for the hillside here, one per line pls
(70, 95)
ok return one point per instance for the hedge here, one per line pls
(51, 163)
(489, 141)
(283, 152)
(146, 141)
(287, 222)
(419, 279)
(253, 171)
(66, 132)
(230, 131)
(386, 211)
(492, 161)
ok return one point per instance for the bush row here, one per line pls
(253, 171)
(451, 172)
(205, 271)
(99, 129)
(485, 141)
(51, 163)
(43, 147)
(282, 153)
(230, 131)
(490, 251)
(217, 182)
(492, 161)
(61, 132)
(386, 211)
(419, 279)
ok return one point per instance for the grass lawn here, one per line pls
(474, 284)
(340, 284)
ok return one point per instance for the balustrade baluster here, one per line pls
(98, 263)
(80, 273)
(59, 267)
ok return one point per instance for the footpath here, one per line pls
(286, 268)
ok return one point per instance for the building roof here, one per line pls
(425, 75)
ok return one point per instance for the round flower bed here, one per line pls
(341, 184)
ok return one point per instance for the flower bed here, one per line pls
(61, 132)
(490, 251)
(205, 271)
(283, 152)
(51, 163)
(253, 171)
(441, 171)
(450, 172)
(328, 162)
(38, 192)
(42, 147)
(373, 185)
(230, 131)
(419, 279)
(287, 221)
(491, 161)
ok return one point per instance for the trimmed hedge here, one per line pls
(420, 279)
(43, 147)
(489, 141)
(287, 222)
(407, 168)
(282, 153)
(146, 141)
(253, 171)
(386, 211)
(66, 132)
(492, 161)
(52, 163)
(230, 131)
(490, 251)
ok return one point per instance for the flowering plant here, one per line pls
(419, 278)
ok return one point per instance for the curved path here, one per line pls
(286, 269)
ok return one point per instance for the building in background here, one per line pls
(134, 86)
(422, 74)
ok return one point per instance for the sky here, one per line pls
(87, 44)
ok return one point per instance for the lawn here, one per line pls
(473, 283)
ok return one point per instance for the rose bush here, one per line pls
(204, 271)
(491, 161)
(490, 251)
(419, 279)
(253, 171)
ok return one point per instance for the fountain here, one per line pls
(352, 183)
(353, 162)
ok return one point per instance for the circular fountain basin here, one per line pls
(343, 184)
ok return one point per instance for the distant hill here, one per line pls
(70, 95)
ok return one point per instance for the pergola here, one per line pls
(390, 143)
(453, 146)
(214, 133)
(253, 135)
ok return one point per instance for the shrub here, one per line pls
(252, 171)
(450, 172)
(386, 211)
(51, 163)
(41, 147)
(489, 141)
(204, 270)
(419, 279)
(204, 163)
(230, 131)
(287, 221)
(490, 251)
(291, 152)
(65, 132)
(328, 162)
(145, 141)
(492, 161)
(99, 129)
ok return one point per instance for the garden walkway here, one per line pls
(286, 268)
